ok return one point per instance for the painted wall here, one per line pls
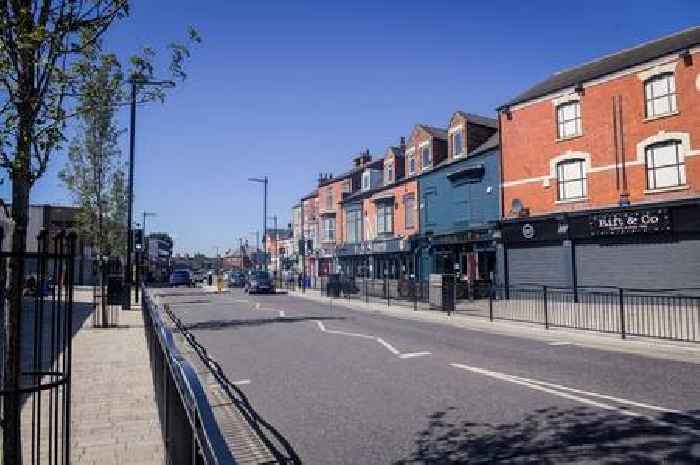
(450, 206)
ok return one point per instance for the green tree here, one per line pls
(94, 172)
(43, 47)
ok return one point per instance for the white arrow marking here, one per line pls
(414, 354)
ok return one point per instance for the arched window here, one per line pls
(665, 166)
(571, 179)
(660, 95)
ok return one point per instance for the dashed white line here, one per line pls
(414, 354)
(282, 314)
(322, 327)
(560, 343)
(241, 382)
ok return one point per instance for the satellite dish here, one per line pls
(517, 207)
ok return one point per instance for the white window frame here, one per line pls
(411, 159)
(329, 229)
(366, 180)
(562, 182)
(422, 158)
(670, 97)
(409, 210)
(562, 123)
(389, 172)
(651, 167)
(453, 136)
(329, 198)
(354, 224)
(387, 227)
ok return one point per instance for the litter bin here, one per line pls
(333, 286)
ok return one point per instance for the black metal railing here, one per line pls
(657, 313)
(191, 433)
(35, 402)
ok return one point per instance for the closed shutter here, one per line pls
(548, 265)
(645, 266)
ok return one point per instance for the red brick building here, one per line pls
(601, 171)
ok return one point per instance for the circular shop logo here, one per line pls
(528, 231)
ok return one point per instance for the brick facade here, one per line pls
(532, 147)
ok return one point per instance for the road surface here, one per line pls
(353, 387)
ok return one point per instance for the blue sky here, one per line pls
(290, 89)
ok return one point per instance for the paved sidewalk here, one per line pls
(114, 414)
(648, 347)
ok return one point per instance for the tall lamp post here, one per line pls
(135, 84)
(140, 271)
(263, 181)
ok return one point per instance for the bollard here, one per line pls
(491, 291)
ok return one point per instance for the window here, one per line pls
(665, 168)
(389, 172)
(409, 205)
(366, 180)
(425, 157)
(329, 229)
(457, 143)
(660, 93)
(411, 163)
(329, 198)
(346, 186)
(571, 179)
(569, 119)
(353, 221)
(385, 217)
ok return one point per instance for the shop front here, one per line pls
(646, 247)
(378, 259)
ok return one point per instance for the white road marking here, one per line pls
(389, 347)
(414, 354)
(240, 300)
(241, 382)
(560, 343)
(551, 388)
(257, 305)
(282, 315)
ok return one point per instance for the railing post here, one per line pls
(491, 291)
(622, 313)
(546, 316)
(415, 295)
(388, 292)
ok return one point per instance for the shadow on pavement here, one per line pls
(223, 324)
(556, 436)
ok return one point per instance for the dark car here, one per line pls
(236, 279)
(260, 282)
(181, 278)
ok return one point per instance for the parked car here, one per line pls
(236, 279)
(181, 278)
(260, 282)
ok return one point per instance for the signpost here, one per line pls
(646, 221)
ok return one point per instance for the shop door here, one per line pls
(546, 265)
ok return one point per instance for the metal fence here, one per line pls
(397, 292)
(191, 433)
(36, 405)
(658, 313)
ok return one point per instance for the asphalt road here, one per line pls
(351, 387)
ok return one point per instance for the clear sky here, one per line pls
(289, 89)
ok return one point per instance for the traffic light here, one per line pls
(138, 239)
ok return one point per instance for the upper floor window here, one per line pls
(329, 198)
(366, 180)
(571, 179)
(409, 205)
(660, 95)
(665, 166)
(457, 143)
(569, 119)
(329, 229)
(411, 163)
(425, 157)
(389, 172)
(385, 217)
(353, 222)
(347, 187)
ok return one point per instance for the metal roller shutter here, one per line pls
(548, 265)
(647, 266)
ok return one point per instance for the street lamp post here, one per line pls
(141, 256)
(263, 181)
(135, 83)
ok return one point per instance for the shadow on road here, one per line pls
(224, 324)
(556, 436)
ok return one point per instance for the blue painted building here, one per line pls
(460, 210)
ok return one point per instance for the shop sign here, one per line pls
(631, 222)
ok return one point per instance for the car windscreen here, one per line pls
(181, 274)
(262, 276)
